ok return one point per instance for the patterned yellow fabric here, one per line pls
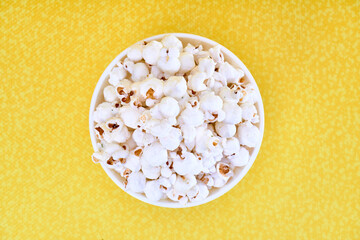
(304, 55)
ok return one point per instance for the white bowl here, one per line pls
(239, 173)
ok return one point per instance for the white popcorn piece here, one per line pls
(231, 74)
(192, 49)
(209, 102)
(249, 113)
(240, 158)
(128, 65)
(154, 154)
(219, 181)
(225, 130)
(170, 41)
(136, 182)
(158, 128)
(152, 190)
(216, 54)
(110, 148)
(121, 155)
(156, 72)
(189, 134)
(248, 134)
(134, 53)
(224, 170)
(186, 62)
(151, 52)
(100, 157)
(151, 88)
(192, 117)
(175, 87)
(165, 171)
(207, 66)
(231, 146)
(230, 95)
(233, 113)
(199, 55)
(103, 112)
(169, 107)
(189, 164)
(197, 81)
(184, 183)
(165, 184)
(149, 171)
(142, 138)
(172, 178)
(117, 73)
(172, 140)
(110, 94)
(130, 116)
(169, 65)
(140, 72)
(120, 136)
(198, 193)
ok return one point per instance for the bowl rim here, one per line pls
(228, 186)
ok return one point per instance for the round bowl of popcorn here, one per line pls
(176, 120)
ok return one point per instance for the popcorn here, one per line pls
(142, 138)
(225, 130)
(249, 113)
(134, 53)
(169, 65)
(170, 41)
(169, 107)
(198, 193)
(117, 73)
(151, 52)
(186, 62)
(130, 116)
(154, 154)
(231, 74)
(176, 122)
(165, 171)
(172, 140)
(207, 66)
(152, 190)
(156, 72)
(109, 94)
(128, 65)
(151, 88)
(197, 81)
(224, 170)
(100, 157)
(192, 49)
(192, 116)
(184, 183)
(149, 171)
(139, 72)
(136, 182)
(189, 134)
(209, 102)
(120, 136)
(188, 164)
(103, 112)
(230, 95)
(231, 146)
(175, 87)
(232, 113)
(216, 54)
(239, 158)
(248, 134)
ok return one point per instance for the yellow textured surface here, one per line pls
(305, 183)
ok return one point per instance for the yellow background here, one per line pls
(305, 183)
